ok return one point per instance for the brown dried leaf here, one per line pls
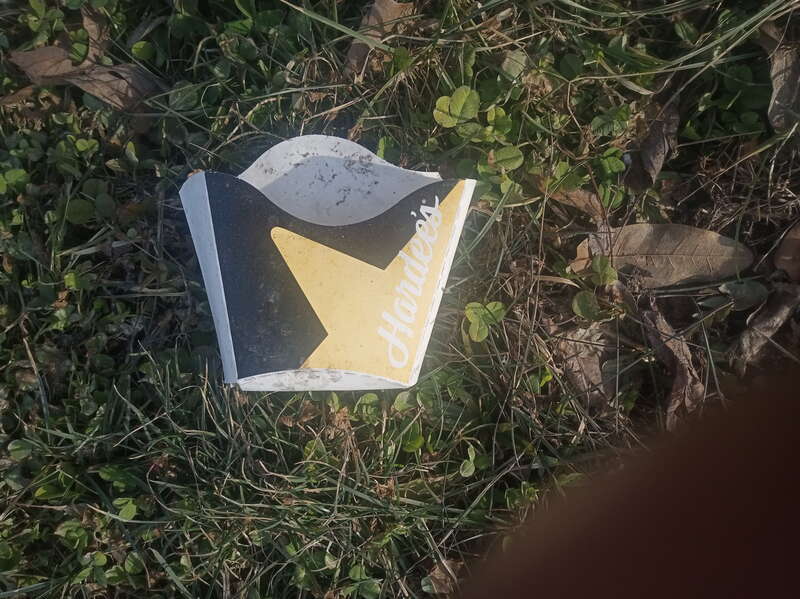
(583, 200)
(386, 490)
(662, 255)
(123, 86)
(98, 28)
(787, 256)
(784, 106)
(381, 19)
(763, 325)
(687, 391)
(440, 578)
(580, 351)
(308, 411)
(44, 66)
(655, 147)
(19, 97)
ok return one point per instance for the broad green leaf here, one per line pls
(115, 575)
(506, 158)
(19, 449)
(74, 533)
(474, 311)
(459, 108)
(126, 507)
(404, 401)
(247, 7)
(130, 154)
(745, 294)
(478, 331)
(267, 19)
(514, 63)
(496, 310)
(134, 563)
(183, 97)
(482, 317)
(104, 205)
(413, 439)
(143, 50)
(468, 62)
(604, 273)
(465, 168)
(499, 122)
(16, 177)
(585, 305)
(369, 589)
(48, 491)
(357, 572)
(38, 6)
(611, 123)
(472, 131)
(368, 408)
(571, 66)
(71, 280)
(87, 146)
(401, 59)
(79, 211)
(99, 559)
(482, 462)
(467, 468)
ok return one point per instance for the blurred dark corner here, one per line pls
(710, 511)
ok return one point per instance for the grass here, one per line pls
(128, 468)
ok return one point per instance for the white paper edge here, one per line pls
(317, 379)
(194, 198)
(304, 176)
(444, 274)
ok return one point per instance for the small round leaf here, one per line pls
(585, 305)
(571, 66)
(79, 211)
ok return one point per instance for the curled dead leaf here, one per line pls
(580, 351)
(123, 86)
(442, 579)
(784, 60)
(382, 18)
(687, 392)
(583, 200)
(787, 256)
(19, 97)
(662, 255)
(98, 28)
(44, 66)
(762, 326)
(655, 147)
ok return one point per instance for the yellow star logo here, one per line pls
(377, 320)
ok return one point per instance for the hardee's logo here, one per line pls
(359, 303)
